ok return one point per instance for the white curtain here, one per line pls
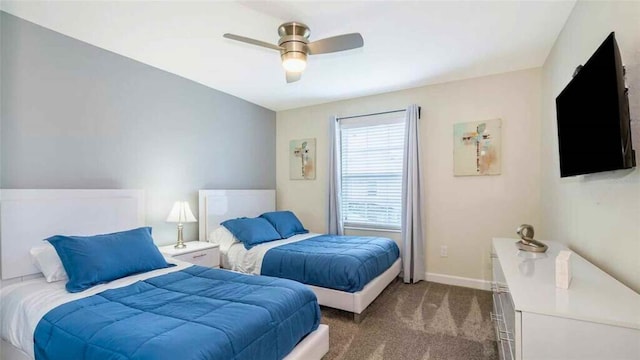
(412, 192)
(335, 226)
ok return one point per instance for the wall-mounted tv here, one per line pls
(594, 132)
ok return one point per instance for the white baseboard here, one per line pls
(459, 281)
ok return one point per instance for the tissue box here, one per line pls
(563, 269)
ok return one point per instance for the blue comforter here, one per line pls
(345, 263)
(196, 313)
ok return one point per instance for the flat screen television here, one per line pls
(594, 132)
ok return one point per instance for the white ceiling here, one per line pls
(406, 44)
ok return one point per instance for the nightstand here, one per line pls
(197, 252)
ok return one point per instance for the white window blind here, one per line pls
(371, 169)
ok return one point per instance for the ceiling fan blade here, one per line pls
(293, 76)
(336, 43)
(251, 41)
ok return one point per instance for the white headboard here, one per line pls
(216, 206)
(29, 216)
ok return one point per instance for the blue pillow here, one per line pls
(251, 232)
(92, 260)
(285, 222)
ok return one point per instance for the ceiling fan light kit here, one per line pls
(294, 37)
(294, 46)
(294, 61)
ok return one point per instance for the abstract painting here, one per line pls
(476, 148)
(302, 159)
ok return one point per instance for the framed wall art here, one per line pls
(302, 159)
(477, 147)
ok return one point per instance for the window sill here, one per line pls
(348, 227)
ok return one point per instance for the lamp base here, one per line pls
(180, 244)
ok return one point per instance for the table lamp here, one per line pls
(181, 213)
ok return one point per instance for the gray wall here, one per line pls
(77, 116)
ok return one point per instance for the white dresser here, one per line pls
(596, 318)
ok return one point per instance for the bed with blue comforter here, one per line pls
(345, 263)
(195, 313)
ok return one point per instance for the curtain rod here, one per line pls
(378, 113)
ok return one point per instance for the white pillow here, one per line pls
(46, 259)
(222, 237)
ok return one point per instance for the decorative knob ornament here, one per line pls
(527, 243)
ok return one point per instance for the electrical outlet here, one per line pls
(443, 251)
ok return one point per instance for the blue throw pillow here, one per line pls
(285, 222)
(92, 260)
(251, 232)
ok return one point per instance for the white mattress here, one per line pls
(25, 303)
(238, 258)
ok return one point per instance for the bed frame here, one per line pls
(29, 216)
(218, 205)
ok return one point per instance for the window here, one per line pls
(371, 153)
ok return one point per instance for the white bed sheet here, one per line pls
(238, 258)
(23, 304)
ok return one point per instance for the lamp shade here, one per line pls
(181, 213)
(294, 61)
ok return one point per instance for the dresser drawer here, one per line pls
(195, 252)
(207, 257)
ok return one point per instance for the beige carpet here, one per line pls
(418, 321)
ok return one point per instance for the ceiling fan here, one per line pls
(294, 46)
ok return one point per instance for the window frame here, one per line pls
(369, 121)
